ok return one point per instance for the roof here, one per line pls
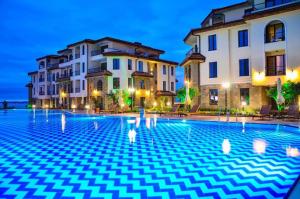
(134, 44)
(102, 73)
(32, 73)
(120, 53)
(164, 93)
(48, 56)
(193, 56)
(214, 27)
(142, 74)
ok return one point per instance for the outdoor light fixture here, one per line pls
(63, 94)
(147, 93)
(226, 85)
(154, 104)
(259, 76)
(46, 106)
(244, 103)
(87, 107)
(187, 82)
(33, 106)
(168, 103)
(291, 75)
(96, 93)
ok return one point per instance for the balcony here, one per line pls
(98, 71)
(42, 93)
(267, 5)
(96, 52)
(77, 90)
(193, 55)
(95, 70)
(41, 79)
(76, 72)
(77, 56)
(63, 78)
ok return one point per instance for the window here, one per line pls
(164, 69)
(82, 49)
(57, 75)
(275, 32)
(116, 83)
(188, 73)
(213, 70)
(212, 42)
(53, 89)
(116, 64)
(275, 65)
(129, 64)
(164, 85)
(172, 71)
(244, 67)
(142, 84)
(243, 38)
(100, 85)
(83, 84)
(83, 67)
(172, 86)
(129, 82)
(140, 68)
(53, 76)
(213, 97)
(245, 95)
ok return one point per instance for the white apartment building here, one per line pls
(241, 50)
(91, 69)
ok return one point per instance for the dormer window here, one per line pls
(218, 18)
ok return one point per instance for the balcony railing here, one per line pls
(96, 52)
(42, 93)
(95, 70)
(41, 79)
(191, 51)
(269, 4)
(77, 90)
(77, 56)
(77, 72)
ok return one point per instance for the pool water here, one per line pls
(61, 155)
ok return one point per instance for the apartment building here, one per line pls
(90, 70)
(241, 50)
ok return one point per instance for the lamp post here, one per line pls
(131, 91)
(226, 86)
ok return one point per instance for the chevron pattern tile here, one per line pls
(59, 155)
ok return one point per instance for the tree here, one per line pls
(290, 91)
(181, 93)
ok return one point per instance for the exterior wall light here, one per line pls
(291, 75)
(259, 76)
(87, 107)
(154, 104)
(226, 85)
(168, 103)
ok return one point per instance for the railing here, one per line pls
(41, 79)
(96, 52)
(191, 51)
(95, 70)
(270, 4)
(77, 90)
(274, 37)
(77, 72)
(42, 93)
(77, 56)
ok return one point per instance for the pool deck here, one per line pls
(290, 122)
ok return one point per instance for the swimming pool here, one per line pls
(60, 155)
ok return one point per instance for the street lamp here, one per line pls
(131, 91)
(226, 86)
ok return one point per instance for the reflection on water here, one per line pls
(63, 122)
(131, 136)
(226, 146)
(47, 115)
(259, 146)
(148, 122)
(292, 152)
(137, 122)
(96, 125)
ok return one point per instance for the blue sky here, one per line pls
(31, 29)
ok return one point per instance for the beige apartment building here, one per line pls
(241, 50)
(89, 70)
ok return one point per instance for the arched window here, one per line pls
(275, 32)
(99, 85)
